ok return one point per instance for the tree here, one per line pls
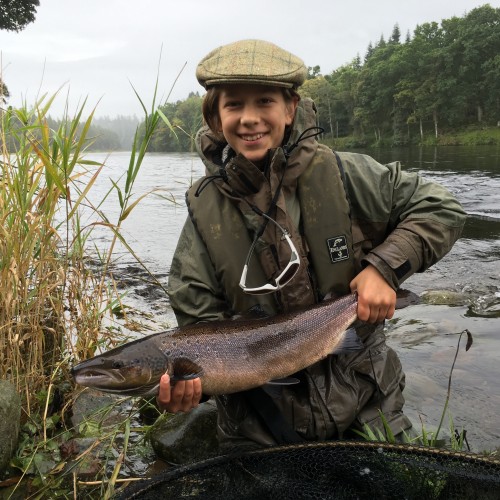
(378, 81)
(492, 84)
(369, 51)
(479, 34)
(184, 119)
(321, 92)
(345, 84)
(396, 34)
(188, 120)
(313, 72)
(16, 14)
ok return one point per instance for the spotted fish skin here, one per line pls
(229, 356)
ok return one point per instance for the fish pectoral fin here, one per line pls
(186, 369)
(284, 381)
(350, 343)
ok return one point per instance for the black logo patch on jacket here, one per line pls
(337, 246)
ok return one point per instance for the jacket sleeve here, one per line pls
(419, 220)
(193, 289)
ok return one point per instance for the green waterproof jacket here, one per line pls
(392, 219)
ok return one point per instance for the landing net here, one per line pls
(331, 470)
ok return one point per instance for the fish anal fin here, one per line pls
(186, 369)
(350, 343)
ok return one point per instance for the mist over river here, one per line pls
(424, 335)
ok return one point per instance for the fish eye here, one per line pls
(117, 364)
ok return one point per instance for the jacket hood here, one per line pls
(211, 149)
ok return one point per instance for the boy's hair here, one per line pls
(210, 106)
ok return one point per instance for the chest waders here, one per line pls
(326, 227)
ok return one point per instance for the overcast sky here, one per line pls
(98, 48)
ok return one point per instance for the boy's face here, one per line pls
(253, 118)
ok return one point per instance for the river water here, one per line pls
(460, 292)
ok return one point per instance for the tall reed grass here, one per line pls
(53, 296)
(47, 294)
(51, 302)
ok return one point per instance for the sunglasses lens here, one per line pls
(288, 274)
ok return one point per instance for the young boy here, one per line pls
(357, 225)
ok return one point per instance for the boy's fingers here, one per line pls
(182, 396)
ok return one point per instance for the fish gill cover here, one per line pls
(336, 469)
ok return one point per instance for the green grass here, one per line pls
(473, 136)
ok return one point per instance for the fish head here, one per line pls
(125, 370)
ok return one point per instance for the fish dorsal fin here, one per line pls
(186, 369)
(350, 343)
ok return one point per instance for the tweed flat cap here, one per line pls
(251, 61)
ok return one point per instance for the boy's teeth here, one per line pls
(252, 137)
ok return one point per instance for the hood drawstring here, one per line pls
(209, 178)
(287, 151)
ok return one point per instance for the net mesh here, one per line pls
(340, 470)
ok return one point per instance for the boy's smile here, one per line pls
(253, 118)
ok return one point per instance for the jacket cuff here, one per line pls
(395, 262)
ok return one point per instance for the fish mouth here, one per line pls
(97, 377)
(114, 381)
(145, 390)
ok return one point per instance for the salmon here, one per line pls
(229, 356)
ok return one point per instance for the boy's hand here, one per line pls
(183, 396)
(376, 298)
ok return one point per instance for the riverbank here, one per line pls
(470, 136)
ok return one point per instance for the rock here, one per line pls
(96, 408)
(486, 306)
(90, 465)
(445, 298)
(10, 415)
(94, 415)
(187, 437)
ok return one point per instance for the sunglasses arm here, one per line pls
(243, 279)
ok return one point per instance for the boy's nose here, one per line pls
(249, 115)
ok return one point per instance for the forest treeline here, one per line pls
(104, 133)
(445, 76)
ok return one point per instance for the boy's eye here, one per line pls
(231, 104)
